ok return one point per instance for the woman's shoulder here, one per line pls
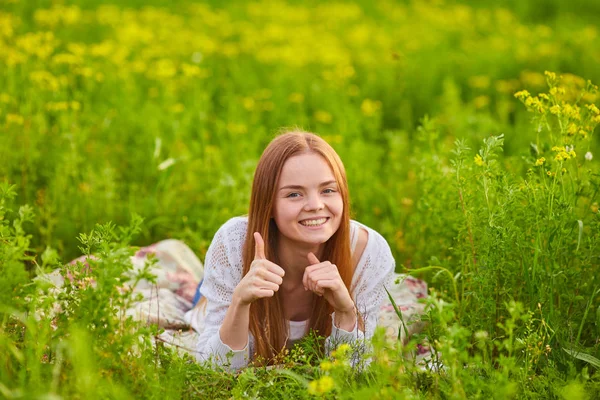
(239, 223)
(376, 249)
(374, 238)
(228, 242)
(233, 232)
(376, 258)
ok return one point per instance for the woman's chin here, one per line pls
(315, 238)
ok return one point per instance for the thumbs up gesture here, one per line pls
(262, 280)
(323, 278)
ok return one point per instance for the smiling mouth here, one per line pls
(313, 222)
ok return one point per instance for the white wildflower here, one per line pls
(589, 156)
(197, 57)
(166, 164)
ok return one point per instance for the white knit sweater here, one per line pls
(223, 270)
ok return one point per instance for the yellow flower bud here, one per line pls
(478, 160)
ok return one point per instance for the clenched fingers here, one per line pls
(318, 270)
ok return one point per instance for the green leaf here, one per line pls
(583, 357)
(399, 314)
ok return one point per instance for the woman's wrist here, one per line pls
(237, 302)
(346, 319)
(235, 327)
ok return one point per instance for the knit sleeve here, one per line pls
(373, 274)
(223, 270)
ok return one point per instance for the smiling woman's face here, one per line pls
(308, 204)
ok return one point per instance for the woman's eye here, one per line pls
(328, 191)
(293, 194)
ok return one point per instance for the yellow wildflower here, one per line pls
(593, 109)
(177, 108)
(237, 128)
(78, 49)
(164, 68)
(535, 104)
(540, 161)
(481, 101)
(85, 71)
(594, 207)
(551, 76)
(191, 70)
(323, 117)
(478, 160)
(343, 348)
(45, 80)
(370, 107)
(563, 155)
(572, 111)
(326, 366)
(555, 109)
(572, 129)
(57, 106)
(5, 98)
(341, 351)
(248, 103)
(103, 49)
(66, 58)
(321, 386)
(296, 98)
(523, 94)
(572, 153)
(333, 139)
(14, 119)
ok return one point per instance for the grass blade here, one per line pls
(583, 357)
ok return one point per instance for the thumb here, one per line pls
(259, 247)
(312, 259)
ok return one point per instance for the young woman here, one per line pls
(296, 263)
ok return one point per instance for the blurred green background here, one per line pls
(163, 108)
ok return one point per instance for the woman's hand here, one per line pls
(262, 280)
(323, 278)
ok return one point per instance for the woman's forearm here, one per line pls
(235, 327)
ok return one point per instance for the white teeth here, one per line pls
(313, 222)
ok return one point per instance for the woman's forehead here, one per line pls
(307, 168)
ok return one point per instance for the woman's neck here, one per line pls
(293, 258)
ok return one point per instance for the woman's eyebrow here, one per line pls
(302, 187)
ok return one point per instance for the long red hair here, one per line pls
(267, 322)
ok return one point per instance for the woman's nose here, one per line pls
(314, 202)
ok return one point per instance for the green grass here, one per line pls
(162, 110)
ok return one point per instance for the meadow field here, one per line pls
(467, 129)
